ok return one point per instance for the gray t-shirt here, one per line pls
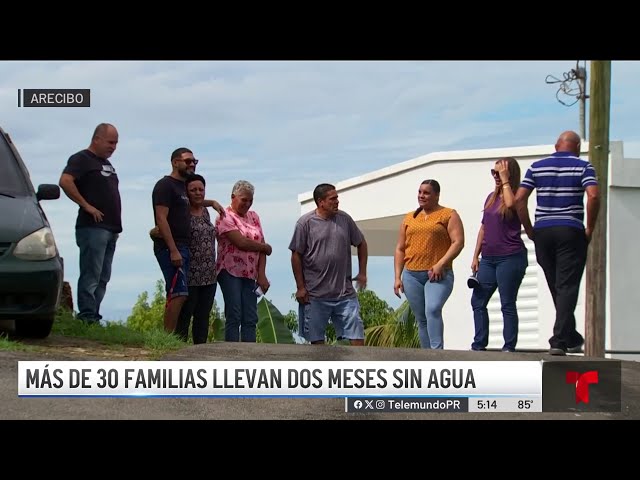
(325, 247)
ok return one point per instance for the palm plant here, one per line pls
(400, 330)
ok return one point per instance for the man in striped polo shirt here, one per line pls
(559, 234)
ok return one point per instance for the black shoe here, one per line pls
(576, 349)
(557, 351)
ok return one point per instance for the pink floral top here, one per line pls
(239, 263)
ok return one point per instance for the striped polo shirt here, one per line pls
(560, 180)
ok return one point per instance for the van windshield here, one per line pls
(12, 181)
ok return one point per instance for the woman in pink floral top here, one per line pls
(241, 264)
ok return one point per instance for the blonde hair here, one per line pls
(514, 182)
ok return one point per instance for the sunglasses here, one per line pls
(191, 161)
(494, 173)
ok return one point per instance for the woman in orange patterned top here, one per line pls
(430, 238)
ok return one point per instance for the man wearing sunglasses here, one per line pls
(191, 163)
(173, 221)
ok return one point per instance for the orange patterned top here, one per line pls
(427, 239)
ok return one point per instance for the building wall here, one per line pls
(379, 200)
(623, 326)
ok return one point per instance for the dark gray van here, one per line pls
(31, 270)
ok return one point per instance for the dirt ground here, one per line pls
(82, 348)
(75, 348)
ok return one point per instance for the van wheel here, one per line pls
(39, 327)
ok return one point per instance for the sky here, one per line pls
(285, 126)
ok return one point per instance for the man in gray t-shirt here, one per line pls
(321, 262)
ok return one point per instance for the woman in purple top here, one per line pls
(504, 257)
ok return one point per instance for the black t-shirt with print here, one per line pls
(97, 182)
(172, 193)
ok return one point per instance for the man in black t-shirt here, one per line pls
(90, 180)
(173, 218)
(172, 234)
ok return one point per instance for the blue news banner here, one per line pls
(365, 386)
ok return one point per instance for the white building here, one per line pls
(379, 200)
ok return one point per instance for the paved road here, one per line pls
(14, 407)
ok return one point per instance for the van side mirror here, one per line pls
(48, 191)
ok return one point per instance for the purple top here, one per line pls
(501, 237)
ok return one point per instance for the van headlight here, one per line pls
(38, 245)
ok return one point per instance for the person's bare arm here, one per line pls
(593, 208)
(246, 244)
(522, 199)
(216, 206)
(162, 213)
(456, 234)
(68, 185)
(262, 280)
(302, 295)
(363, 257)
(478, 249)
(398, 261)
(508, 196)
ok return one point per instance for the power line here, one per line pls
(573, 85)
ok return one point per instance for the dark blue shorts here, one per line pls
(175, 279)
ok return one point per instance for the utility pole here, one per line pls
(596, 270)
(581, 76)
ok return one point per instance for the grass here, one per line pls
(6, 344)
(116, 335)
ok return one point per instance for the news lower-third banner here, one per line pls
(387, 386)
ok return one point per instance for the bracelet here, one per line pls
(506, 185)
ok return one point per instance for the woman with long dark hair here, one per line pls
(504, 257)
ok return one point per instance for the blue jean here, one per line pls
(240, 307)
(175, 279)
(343, 312)
(97, 247)
(426, 300)
(303, 319)
(505, 273)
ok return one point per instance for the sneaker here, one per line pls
(576, 349)
(557, 351)
(472, 281)
(511, 350)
